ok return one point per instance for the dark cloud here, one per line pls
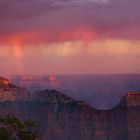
(18, 9)
(51, 18)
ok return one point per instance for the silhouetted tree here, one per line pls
(12, 128)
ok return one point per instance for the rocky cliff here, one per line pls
(61, 117)
(10, 92)
(5, 83)
(132, 99)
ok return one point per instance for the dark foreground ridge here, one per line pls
(61, 117)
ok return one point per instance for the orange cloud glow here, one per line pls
(73, 57)
(38, 37)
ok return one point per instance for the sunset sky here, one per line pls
(69, 37)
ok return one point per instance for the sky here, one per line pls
(69, 37)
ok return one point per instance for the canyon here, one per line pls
(61, 117)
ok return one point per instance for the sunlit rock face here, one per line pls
(9, 92)
(4, 83)
(132, 99)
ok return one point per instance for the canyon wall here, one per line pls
(61, 117)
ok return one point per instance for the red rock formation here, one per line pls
(69, 119)
(4, 83)
(132, 104)
(9, 92)
(61, 117)
(132, 99)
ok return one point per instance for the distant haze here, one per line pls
(100, 91)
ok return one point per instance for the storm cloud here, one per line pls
(52, 20)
